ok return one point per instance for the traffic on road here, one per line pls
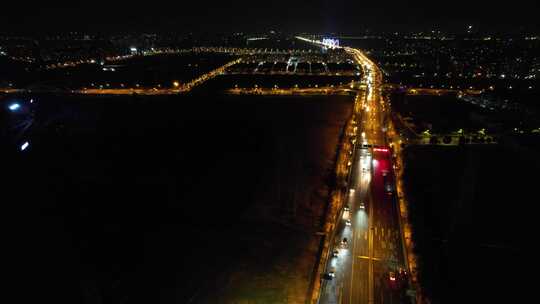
(368, 264)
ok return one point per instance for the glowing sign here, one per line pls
(331, 42)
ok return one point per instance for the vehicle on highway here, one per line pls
(361, 205)
(335, 253)
(351, 191)
(344, 242)
(392, 276)
(346, 208)
(328, 276)
(348, 222)
(388, 188)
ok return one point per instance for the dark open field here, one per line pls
(145, 71)
(447, 113)
(440, 114)
(159, 200)
(148, 71)
(473, 211)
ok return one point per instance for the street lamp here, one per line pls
(14, 107)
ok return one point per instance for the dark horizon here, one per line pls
(301, 16)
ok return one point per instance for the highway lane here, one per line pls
(374, 250)
(351, 265)
(387, 250)
(385, 230)
(357, 285)
(387, 246)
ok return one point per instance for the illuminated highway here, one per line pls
(323, 90)
(371, 267)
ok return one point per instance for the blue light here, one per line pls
(24, 146)
(331, 42)
(14, 106)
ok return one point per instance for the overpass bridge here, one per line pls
(293, 91)
(431, 91)
(452, 139)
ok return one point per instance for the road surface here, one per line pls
(374, 250)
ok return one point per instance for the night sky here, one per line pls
(284, 15)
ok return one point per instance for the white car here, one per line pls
(348, 222)
(329, 275)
